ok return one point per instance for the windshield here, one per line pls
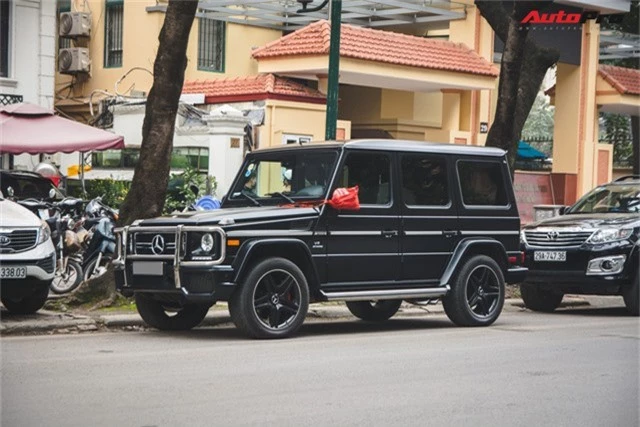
(285, 177)
(23, 187)
(610, 199)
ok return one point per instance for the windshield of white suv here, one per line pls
(609, 199)
(285, 177)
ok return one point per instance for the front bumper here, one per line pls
(571, 275)
(186, 280)
(40, 262)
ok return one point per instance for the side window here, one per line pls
(371, 172)
(482, 183)
(424, 180)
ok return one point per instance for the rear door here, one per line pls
(429, 222)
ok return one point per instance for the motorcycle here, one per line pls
(58, 215)
(102, 242)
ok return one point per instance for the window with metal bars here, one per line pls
(63, 6)
(5, 23)
(113, 33)
(211, 41)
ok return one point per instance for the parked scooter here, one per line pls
(100, 250)
(102, 243)
(59, 217)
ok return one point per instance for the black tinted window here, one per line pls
(482, 183)
(26, 187)
(424, 180)
(371, 172)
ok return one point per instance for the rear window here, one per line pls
(482, 183)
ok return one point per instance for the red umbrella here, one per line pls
(28, 128)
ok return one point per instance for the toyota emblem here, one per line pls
(552, 235)
(4, 240)
(157, 244)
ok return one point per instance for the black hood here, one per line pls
(238, 215)
(590, 221)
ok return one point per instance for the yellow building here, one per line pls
(423, 72)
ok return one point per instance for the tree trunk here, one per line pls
(635, 143)
(151, 176)
(523, 67)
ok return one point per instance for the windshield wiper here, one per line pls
(251, 199)
(284, 196)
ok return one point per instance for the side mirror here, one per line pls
(345, 199)
(52, 193)
(10, 191)
(563, 210)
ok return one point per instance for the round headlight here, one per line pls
(206, 243)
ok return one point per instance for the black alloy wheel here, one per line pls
(272, 301)
(477, 293)
(483, 291)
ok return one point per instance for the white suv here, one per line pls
(27, 259)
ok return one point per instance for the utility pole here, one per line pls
(334, 63)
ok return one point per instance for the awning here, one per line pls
(527, 152)
(28, 128)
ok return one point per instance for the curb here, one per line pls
(51, 322)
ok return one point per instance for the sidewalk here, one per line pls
(52, 322)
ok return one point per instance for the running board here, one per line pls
(387, 294)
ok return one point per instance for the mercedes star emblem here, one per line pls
(157, 244)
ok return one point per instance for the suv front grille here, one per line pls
(150, 244)
(17, 240)
(556, 238)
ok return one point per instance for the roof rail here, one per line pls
(627, 177)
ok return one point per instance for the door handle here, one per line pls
(387, 234)
(450, 233)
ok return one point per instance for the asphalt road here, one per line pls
(577, 367)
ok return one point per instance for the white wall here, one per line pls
(32, 51)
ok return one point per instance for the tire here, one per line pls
(477, 293)
(158, 316)
(68, 280)
(374, 311)
(29, 304)
(271, 301)
(90, 274)
(538, 299)
(631, 296)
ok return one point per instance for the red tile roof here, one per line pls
(262, 86)
(624, 80)
(380, 46)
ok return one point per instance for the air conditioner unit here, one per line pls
(73, 60)
(74, 24)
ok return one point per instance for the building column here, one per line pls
(476, 33)
(575, 135)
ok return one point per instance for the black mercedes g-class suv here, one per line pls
(591, 248)
(435, 221)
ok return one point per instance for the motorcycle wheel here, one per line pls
(67, 280)
(92, 271)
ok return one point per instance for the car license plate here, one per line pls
(13, 272)
(555, 256)
(147, 268)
